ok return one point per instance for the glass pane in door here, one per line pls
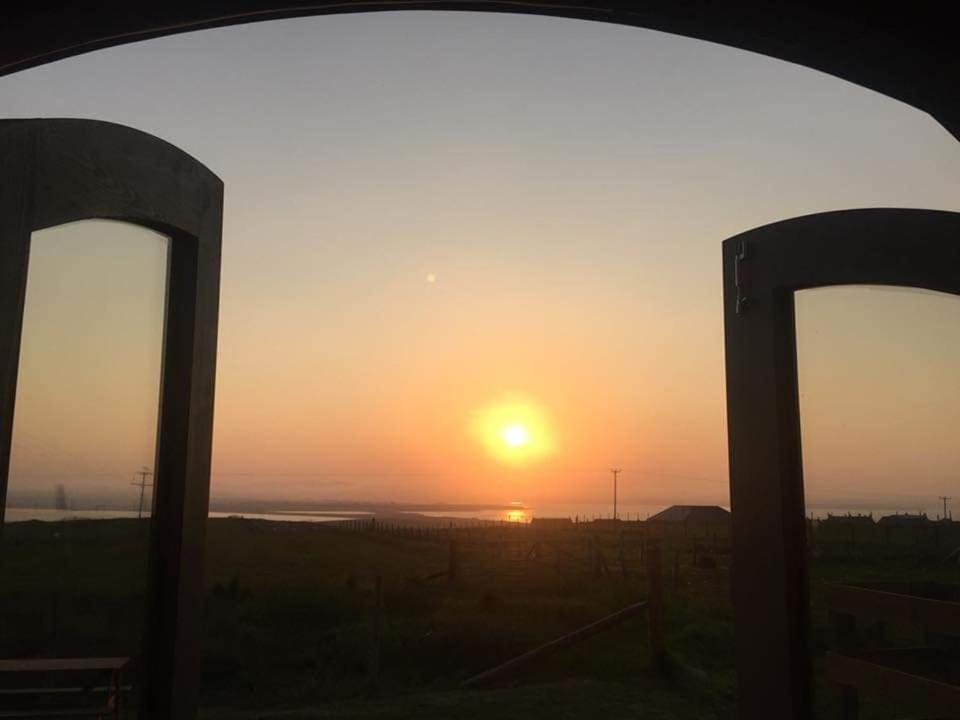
(880, 414)
(78, 507)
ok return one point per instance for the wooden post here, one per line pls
(849, 703)
(658, 651)
(623, 558)
(452, 561)
(117, 694)
(600, 566)
(55, 615)
(844, 635)
(676, 570)
(844, 631)
(376, 636)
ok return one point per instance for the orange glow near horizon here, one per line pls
(517, 516)
(515, 430)
(446, 281)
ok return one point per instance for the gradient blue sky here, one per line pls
(568, 184)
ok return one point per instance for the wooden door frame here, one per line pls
(762, 269)
(59, 171)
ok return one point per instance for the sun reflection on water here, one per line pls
(516, 515)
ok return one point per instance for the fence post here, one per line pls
(844, 633)
(623, 558)
(658, 651)
(452, 561)
(377, 636)
(600, 567)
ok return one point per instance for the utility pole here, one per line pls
(142, 484)
(945, 501)
(615, 471)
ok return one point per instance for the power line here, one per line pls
(945, 500)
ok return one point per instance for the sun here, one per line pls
(514, 430)
(515, 435)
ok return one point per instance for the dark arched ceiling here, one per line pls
(905, 50)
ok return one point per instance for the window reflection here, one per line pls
(83, 445)
(879, 403)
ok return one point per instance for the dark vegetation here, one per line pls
(289, 615)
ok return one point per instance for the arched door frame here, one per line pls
(61, 171)
(907, 54)
(762, 269)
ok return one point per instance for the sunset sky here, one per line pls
(440, 228)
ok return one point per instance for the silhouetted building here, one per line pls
(846, 521)
(551, 523)
(842, 530)
(691, 522)
(692, 515)
(905, 520)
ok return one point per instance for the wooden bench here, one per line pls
(920, 676)
(61, 687)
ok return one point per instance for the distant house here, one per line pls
(848, 520)
(691, 515)
(551, 523)
(905, 520)
(608, 523)
(691, 521)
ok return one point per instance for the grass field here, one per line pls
(288, 618)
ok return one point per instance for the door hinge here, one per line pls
(740, 277)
